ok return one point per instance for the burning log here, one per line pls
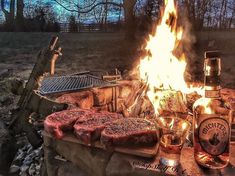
(172, 101)
(130, 97)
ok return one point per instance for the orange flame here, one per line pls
(161, 69)
(206, 104)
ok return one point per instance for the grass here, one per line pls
(100, 51)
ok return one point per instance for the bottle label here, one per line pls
(214, 135)
(212, 93)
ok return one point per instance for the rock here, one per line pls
(6, 100)
(14, 169)
(82, 156)
(28, 161)
(7, 148)
(20, 155)
(57, 167)
(30, 149)
(5, 73)
(16, 85)
(38, 167)
(32, 169)
(24, 168)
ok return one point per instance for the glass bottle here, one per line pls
(212, 119)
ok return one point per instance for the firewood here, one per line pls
(112, 77)
(102, 96)
(120, 105)
(147, 106)
(137, 93)
(136, 108)
(228, 95)
(127, 87)
(83, 99)
(172, 101)
(101, 108)
(125, 91)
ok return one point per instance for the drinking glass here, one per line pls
(173, 132)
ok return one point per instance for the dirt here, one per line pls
(81, 52)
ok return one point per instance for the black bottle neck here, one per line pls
(212, 86)
(212, 69)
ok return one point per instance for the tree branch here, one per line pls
(87, 11)
(91, 4)
(3, 7)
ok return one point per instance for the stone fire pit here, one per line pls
(89, 161)
(69, 157)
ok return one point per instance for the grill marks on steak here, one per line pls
(129, 132)
(89, 129)
(59, 122)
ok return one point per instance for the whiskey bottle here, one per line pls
(212, 118)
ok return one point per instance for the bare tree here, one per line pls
(210, 13)
(196, 11)
(9, 14)
(127, 5)
(20, 15)
(129, 16)
(232, 17)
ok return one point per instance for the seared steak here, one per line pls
(89, 129)
(59, 122)
(129, 132)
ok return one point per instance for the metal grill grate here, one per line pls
(52, 85)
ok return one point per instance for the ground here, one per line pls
(100, 51)
(95, 51)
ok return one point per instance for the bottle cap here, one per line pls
(212, 54)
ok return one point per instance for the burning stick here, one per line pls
(171, 21)
(134, 103)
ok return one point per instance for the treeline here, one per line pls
(20, 16)
(133, 15)
(212, 14)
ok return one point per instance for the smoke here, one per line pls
(187, 46)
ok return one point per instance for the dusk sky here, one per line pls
(62, 14)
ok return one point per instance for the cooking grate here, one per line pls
(58, 84)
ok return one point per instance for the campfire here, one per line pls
(161, 87)
(110, 112)
(162, 70)
(113, 113)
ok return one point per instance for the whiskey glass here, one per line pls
(172, 132)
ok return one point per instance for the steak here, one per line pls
(129, 132)
(58, 122)
(89, 129)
